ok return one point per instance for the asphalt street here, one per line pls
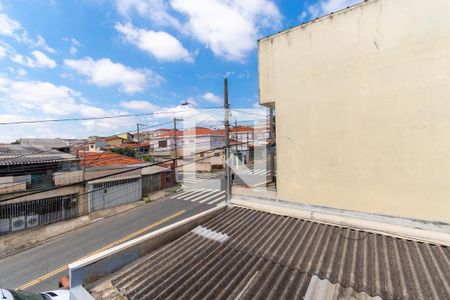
(39, 268)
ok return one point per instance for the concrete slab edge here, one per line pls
(403, 228)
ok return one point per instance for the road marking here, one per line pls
(206, 195)
(213, 196)
(183, 193)
(120, 241)
(217, 198)
(199, 191)
(192, 196)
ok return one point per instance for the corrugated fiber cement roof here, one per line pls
(248, 254)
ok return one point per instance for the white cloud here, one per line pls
(21, 72)
(2, 51)
(229, 28)
(210, 97)
(139, 105)
(155, 10)
(73, 50)
(13, 29)
(160, 44)
(74, 44)
(8, 26)
(104, 72)
(45, 97)
(325, 7)
(41, 43)
(40, 60)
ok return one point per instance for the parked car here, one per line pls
(22, 295)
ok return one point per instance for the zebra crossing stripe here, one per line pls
(246, 172)
(192, 193)
(260, 172)
(183, 193)
(190, 180)
(197, 194)
(206, 195)
(212, 196)
(217, 198)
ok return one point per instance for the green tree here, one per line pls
(127, 151)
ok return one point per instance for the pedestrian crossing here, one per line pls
(260, 172)
(202, 195)
(197, 178)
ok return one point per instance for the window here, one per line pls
(202, 155)
(162, 144)
(217, 154)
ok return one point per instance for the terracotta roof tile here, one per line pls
(105, 158)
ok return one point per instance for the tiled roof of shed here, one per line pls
(18, 155)
(248, 254)
(106, 158)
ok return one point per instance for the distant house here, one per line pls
(189, 142)
(56, 144)
(25, 170)
(126, 136)
(115, 140)
(134, 178)
(77, 185)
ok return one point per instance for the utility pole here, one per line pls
(227, 142)
(236, 142)
(272, 148)
(175, 143)
(84, 160)
(138, 141)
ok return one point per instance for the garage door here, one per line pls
(113, 193)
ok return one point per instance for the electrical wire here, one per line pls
(248, 113)
(100, 118)
(117, 173)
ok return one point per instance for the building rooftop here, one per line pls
(106, 158)
(50, 143)
(249, 254)
(19, 155)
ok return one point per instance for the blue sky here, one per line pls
(94, 58)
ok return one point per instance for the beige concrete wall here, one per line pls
(362, 101)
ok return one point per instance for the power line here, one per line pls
(100, 118)
(248, 113)
(113, 174)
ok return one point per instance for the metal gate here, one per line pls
(113, 193)
(27, 214)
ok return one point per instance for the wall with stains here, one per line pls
(362, 100)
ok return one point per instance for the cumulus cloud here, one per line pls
(39, 60)
(2, 51)
(162, 45)
(45, 97)
(104, 72)
(324, 7)
(8, 27)
(12, 28)
(154, 10)
(139, 105)
(210, 97)
(229, 28)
